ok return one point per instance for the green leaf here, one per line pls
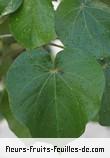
(33, 24)
(9, 6)
(85, 25)
(104, 118)
(55, 100)
(19, 129)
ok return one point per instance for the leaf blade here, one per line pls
(52, 98)
(85, 25)
(33, 24)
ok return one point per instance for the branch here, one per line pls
(56, 45)
(6, 36)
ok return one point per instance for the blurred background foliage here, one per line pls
(9, 50)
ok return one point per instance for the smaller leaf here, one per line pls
(33, 25)
(9, 6)
(85, 25)
(19, 129)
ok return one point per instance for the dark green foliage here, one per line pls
(52, 96)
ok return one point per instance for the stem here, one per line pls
(6, 36)
(56, 45)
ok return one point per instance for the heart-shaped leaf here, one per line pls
(55, 100)
(33, 24)
(85, 25)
